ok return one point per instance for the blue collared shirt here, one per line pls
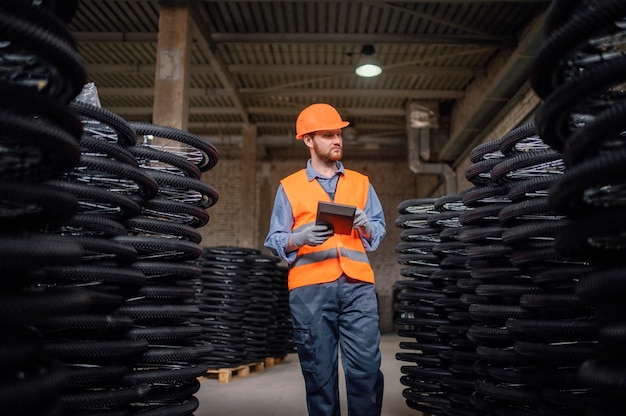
(281, 221)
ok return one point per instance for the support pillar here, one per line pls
(248, 187)
(171, 87)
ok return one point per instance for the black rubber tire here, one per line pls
(419, 220)
(99, 249)
(182, 408)
(597, 235)
(209, 154)
(68, 75)
(482, 215)
(28, 307)
(530, 210)
(481, 234)
(566, 194)
(140, 181)
(96, 351)
(165, 374)
(175, 211)
(164, 354)
(573, 32)
(165, 334)
(524, 132)
(95, 273)
(124, 132)
(103, 398)
(196, 192)
(554, 330)
(93, 200)
(552, 116)
(149, 226)
(151, 158)
(557, 353)
(87, 225)
(532, 188)
(479, 173)
(602, 286)
(487, 194)
(449, 203)
(534, 230)
(417, 206)
(420, 234)
(509, 167)
(172, 269)
(34, 204)
(93, 146)
(486, 150)
(588, 140)
(30, 252)
(151, 247)
(41, 150)
(84, 375)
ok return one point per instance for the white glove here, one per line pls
(361, 223)
(312, 235)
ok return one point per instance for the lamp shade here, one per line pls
(368, 66)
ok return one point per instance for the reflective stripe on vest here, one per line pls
(340, 254)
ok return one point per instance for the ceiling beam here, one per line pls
(359, 38)
(273, 111)
(310, 38)
(292, 69)
(268, 92)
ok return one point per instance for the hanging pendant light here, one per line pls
(368, 66)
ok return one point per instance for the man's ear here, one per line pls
(308, 140)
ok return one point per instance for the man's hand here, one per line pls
(361, 223)
(312, 235)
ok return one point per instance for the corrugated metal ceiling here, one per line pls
(284, 55)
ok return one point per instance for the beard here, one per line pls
(331, 155)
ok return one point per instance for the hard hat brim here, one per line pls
(331, 127)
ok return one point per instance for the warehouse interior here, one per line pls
(460, 89)
(253, 65)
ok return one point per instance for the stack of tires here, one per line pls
(428, 306)
(492, 306)
(138, 207)
(580, 74)
(40, 73)
(98, 236)
(244, 306)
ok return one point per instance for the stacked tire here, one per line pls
(40, 74)
(244, 306)
(579, 74)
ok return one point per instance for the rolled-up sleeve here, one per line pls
(281, 223)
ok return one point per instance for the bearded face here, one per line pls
(327, 145)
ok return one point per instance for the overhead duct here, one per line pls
(423, 119)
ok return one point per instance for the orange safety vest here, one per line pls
(340, 254)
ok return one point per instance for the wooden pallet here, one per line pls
(226, 375)
(272, 361)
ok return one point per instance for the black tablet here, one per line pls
(339, 217)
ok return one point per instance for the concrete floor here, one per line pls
(279, 390)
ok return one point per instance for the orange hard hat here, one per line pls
(318, 117)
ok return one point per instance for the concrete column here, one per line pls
(171, 87)
(248, 187)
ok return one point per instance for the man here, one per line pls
(331, 283)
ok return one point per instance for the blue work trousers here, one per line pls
(344, 313)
